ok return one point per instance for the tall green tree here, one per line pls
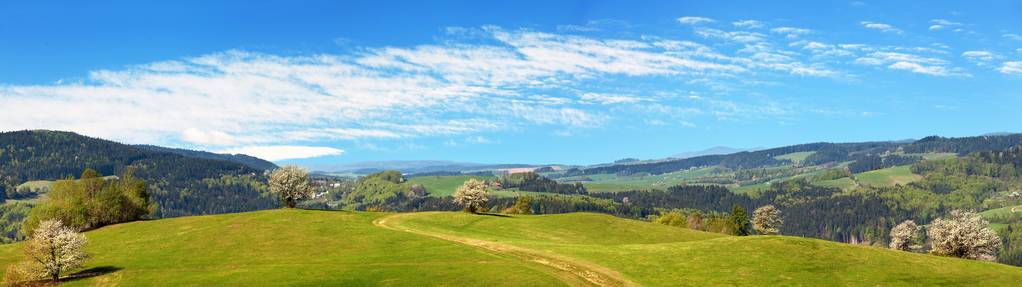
(739, 221)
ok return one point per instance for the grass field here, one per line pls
(647, 254)
(316, 248)
(441, 186)
(287, 247)
(999, 217)
(887, 176)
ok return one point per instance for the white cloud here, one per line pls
(748, 24)
(917, 68)
(478, 140)
(692, 20)
(882, 27)
(214, 138)
(978, 56)
(909, 62)
(1012, 36)
(791, 32)
(737, 36)
(608, 99)
(940, 24)
(239, 98)
(1013, 67)
(283, 152)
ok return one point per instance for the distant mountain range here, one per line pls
(712, 151)
(411, 166)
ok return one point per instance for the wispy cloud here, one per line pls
(748, 24)
(941, 24)
(978, 56)
(909, 62)
(608, 99)
(791, 32)
(882, 27)
(1013, 67)
(478, 80)
(693, 20)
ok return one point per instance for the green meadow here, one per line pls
(317, 248)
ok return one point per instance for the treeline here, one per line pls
(531, 181)
(963, 145)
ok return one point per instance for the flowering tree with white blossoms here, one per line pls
(472, 194)
(964, 234)
(292, 183)
(904, 235)
(767, 220)
(54, 249)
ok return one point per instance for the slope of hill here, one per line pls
(426, 249)
(250, 161)
(179, 184)
(286, 247)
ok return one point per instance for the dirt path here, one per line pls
(570, 270)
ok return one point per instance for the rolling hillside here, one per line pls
(415, 249)
(181, 182)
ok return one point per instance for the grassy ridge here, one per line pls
(287, 247)
(658, 256)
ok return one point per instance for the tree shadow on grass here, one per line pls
(91, 272)
(494, 214)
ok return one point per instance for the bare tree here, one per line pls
(767, 220)
(964, 234)
(472, 194)
(54, 249)
(904, 235)
(292, 183)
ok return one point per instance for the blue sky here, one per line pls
(575, 82)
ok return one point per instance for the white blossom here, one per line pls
(472, 194)
(903, 235)
(54, 249)
(964, 234)
(292, 183)
(767, 220)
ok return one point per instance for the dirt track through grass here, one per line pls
(570, 270)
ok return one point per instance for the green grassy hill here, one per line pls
(303, 247)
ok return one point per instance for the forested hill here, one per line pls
(180, 184)
(250, 161)
(822, 153)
